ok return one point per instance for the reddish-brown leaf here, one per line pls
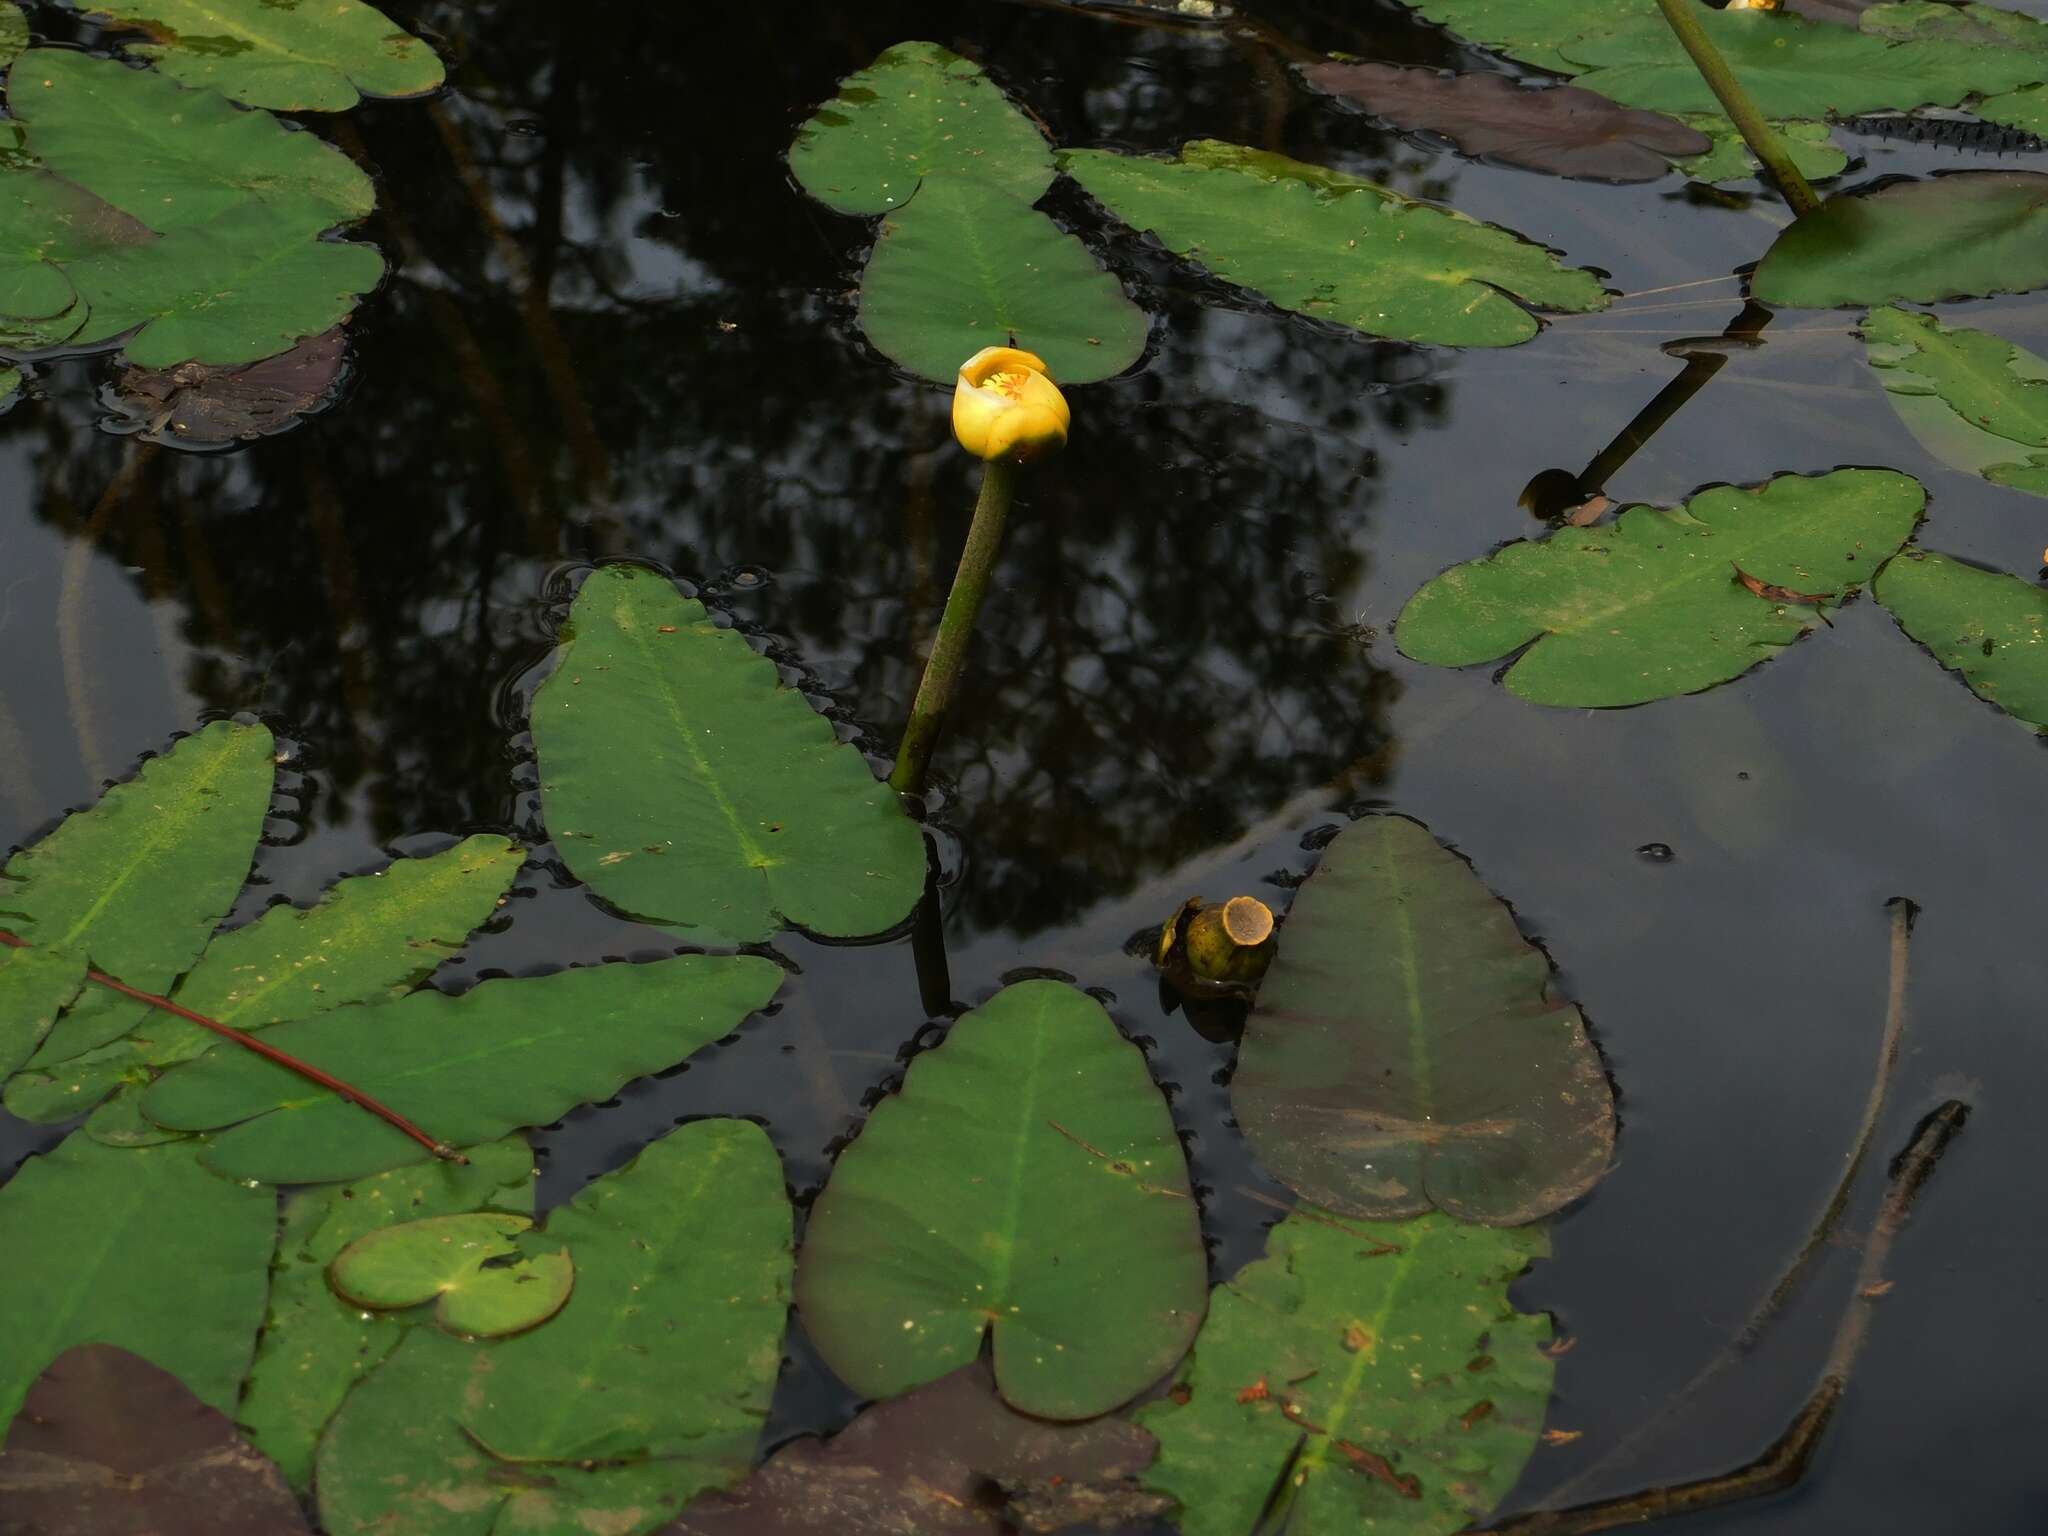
(197, 406)
(1773, 594)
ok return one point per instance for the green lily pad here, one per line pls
(315, 1346)
(45, 222)
(1814, 152)
(447, 1260)
(1365, 1376)
(1336, 248)
(290, 57)
(1973, 400)
(1655, 605)
(1025, 1181)
(1405, 1053)
(687, 786)
(144, 1249)
(1976, 233)
(139, 882)
(35, 986)
(1991, 627)
(650, 1386)
(2025, 109)
(916, 110)
(964, 265)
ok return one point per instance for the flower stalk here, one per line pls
(1757, 133)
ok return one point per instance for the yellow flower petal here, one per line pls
(1006, 406)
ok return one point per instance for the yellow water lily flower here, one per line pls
(1006, 406)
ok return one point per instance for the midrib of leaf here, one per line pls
(1411, 985)
(2002, 383)
(1316, 1454)
(108, 1227)
(751, 853)
(1014, 1197)
(236, 26)
(991, 280)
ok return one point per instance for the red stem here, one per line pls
(307, 1070)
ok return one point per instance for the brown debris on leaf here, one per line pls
(1769, 593)
(195, 405)
(107, 1444)
(1564, 129)
(950, 1459)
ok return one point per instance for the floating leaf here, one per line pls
(144, 1249)
(1026, 1181)
(917, 109)
(2025, 109)
(1813, 151)
(289, 57)
(45, 222)
(685, 785)
(108, 1443)
(1405, 1052)
(1330, 246)
(964, 266)
(1564, 130)
(925, 1463)
(1990, 627)
(35, 986)
(1372, 1377)
(13, 32)
(315, 1346)
(504, 1054)
(1974, 400)
(197, 406)
(1959, 236)
(658, 1371)
(1652, 605)
(139, 882)
(370, 939)
(445, 1260)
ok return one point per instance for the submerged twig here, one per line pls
(290, 1063)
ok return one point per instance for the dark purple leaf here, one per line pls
(197, 406)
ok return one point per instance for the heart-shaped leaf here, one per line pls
(1336, 248)
(1973, 400)
(1025, 1181)
(1405, 1053)
(504, 1054)
(1991, 627)
(448, 1260)
(1364, 1376)
(687, 786)
(1657, 604)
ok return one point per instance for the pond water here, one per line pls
(616, 328)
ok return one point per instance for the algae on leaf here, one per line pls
(687, 786)
(1990, 627)
(1974, 400)
(1371, 1376)
(1656, 604)
(1336, 248)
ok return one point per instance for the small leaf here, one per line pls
(965, 265)
(917, 109)
(504, 1054)
(1344, 1374)
(1991, 627)
(1811, 146)
(1563, 130)
(1025, 1181)
(686, 786)
(1646, 607)
(1974, 400)
(1950, 237)
(443, 1259)
(108, 1442)
(1405, 1052)
(1334, 247)
(289, 57)
(195, 406)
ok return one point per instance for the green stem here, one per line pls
(1762, 139)
(949, 650)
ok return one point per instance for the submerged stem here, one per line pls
(1759, 135)
(949, 649)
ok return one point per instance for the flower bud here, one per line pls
(1005, 406)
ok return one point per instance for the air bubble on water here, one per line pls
(1656, 853)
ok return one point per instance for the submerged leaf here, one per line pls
(1405, 1052)
(1025, 1181)
(1336, 248)
(687, 786)
(1973, 400)
(1975, 233)
(142, 1248)
(110, 1443)
(289, 57)
(965, 265)
(1563, 130)
(917, 109)
(1991, 627)
(504, 1054)
(1372, 1376)
(196, 406)
(1646, 607)
(650, 1386)
(925, 1463)
(447, 1260)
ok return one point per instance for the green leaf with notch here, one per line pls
(1990, 627)
(1656, 604)
(1025, 1181)
(1974, 400)
(451, 1261)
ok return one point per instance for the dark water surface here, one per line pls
(616, 328)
